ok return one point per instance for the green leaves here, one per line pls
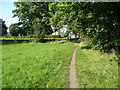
(35, 17)
(97, 20)
(14, 29)
(4, 27)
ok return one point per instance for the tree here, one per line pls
(35, 17)
(4, 28)
(64, 14)
(99, 21)
(14, 29)
(1, 27)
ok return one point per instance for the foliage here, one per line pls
(55, 36)
(99, 21)
(14, 29)
(34, 17)
(4, 27)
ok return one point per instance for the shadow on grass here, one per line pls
(61, 42)
(75, 41)
(86, 47)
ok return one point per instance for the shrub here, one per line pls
(55, 36)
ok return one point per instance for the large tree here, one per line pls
(99, 21)
(35, 17)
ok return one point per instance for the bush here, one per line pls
(55, 36)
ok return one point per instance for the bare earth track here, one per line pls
(72, 71)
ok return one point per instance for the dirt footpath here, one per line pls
(73, 83)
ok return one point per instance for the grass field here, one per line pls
(12, 38)
(43, 65)
(19, 38)
(96, 69)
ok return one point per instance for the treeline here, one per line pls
(99, 21)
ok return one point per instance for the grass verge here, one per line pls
(96, 69)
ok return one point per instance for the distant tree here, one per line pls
(14, 29)
(4, 28)
(0, 27)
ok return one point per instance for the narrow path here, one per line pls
(72, 71)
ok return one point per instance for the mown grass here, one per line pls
(19, 38)
(41, 65)
(96, 69)
(12, 38)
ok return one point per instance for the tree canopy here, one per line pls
(14, 29)
(98, 20)
(34, 17)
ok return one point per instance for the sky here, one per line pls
(6, 12)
